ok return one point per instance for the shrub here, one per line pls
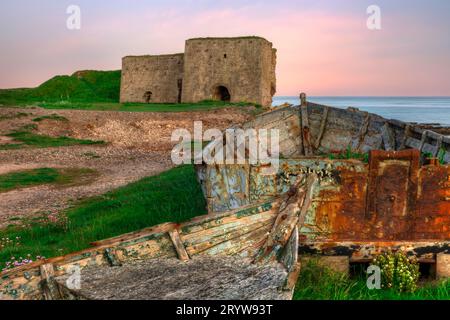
(398, 271)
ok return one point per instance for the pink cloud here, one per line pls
(319, 52)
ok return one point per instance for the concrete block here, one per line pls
(335, 263)
(443, 265)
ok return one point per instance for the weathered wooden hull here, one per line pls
(313, 129)
(240, 233)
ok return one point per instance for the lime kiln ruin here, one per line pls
(228, 69)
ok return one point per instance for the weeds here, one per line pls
(58, 177)
(349, 154)
(29, 139)
(51, 117)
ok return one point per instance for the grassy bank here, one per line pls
(141, 107)
(174, 195)
(30, 178)
(28, 139)
(82, 86)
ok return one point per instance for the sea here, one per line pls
(435, 110)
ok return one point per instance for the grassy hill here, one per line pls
(82, 86)
(95, 90)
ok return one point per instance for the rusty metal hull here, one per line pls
(392, 198)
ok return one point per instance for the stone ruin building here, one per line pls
(225, 69)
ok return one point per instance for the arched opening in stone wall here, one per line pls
(148, 96)
(180, 89)
(221, 93)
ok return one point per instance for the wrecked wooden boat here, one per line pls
(218, 256)
(261, 222)
(393, 199)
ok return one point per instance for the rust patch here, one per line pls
(433, 208)
(394, 200)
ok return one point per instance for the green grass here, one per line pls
(82, 86)
(33, 140)
(320, 283)
(174, 195)
(51, 117)
(349, 154)
(142, 107)
(29, 178)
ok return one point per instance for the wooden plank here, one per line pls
(292, 278)
(289, 257)
(49, 285)
(323, 125)
(201, 223)
(212, 235)
(428, 148)
(306, 134)
(358, 141)
(112, 257)
(165, 227)
(292, 213)
(228, 225)
(431, 134)
(423, 140)
(438, 146)
(208, 243)
(388, 137)
(237, 245)
(406, 135)
(178, 244)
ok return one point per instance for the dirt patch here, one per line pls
(138, 145)
(6, 140)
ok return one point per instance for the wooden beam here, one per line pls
(406, 135)
(362, 132)
(292, 278)
(423, 140)
(291, 215)
(306, 134)
(438, 146)
(290, 255)
(49, 285)
(388, 137)
(111, 257)
(178, 244)
(162, 228)
(323, 125)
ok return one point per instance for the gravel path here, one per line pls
(138, 145)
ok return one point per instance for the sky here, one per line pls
(324, 47)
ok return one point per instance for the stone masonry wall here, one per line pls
(245, 66)
(155, 79)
